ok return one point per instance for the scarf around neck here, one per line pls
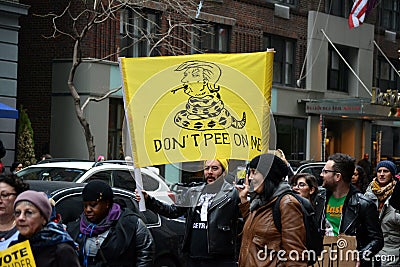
(382, 193)
(52, 234)
(91, 229)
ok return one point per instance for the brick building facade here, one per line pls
(290, 26)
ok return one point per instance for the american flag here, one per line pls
(359, 11)
(357, 14)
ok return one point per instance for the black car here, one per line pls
(167, 233)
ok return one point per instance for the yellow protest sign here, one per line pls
(197, 107)
(18, 255)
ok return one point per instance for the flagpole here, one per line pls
(347, 64)
(137, 174)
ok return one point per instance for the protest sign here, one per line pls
(339, 251)
(18, 255)
(197, 107)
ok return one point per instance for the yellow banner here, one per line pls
(18, 255)
(197, 107)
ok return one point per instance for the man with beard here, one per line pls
(342, 209)
(212, 220)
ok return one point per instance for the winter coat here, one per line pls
(128, 243)
(261, 240)
(51, 249)
(224, 222)
(389, 218)
(359, 218)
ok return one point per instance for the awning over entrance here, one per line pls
(350, 107)
(8, 112)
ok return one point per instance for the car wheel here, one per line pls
(165, 262)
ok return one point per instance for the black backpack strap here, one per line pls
(276, 212)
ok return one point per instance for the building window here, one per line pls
(339, 8)
(291, 136)
(283, 59)
(386, 76)
(138, 34)
(337, 70)
(213, 38)
(115, 122)
(389, 14)
(284, 2)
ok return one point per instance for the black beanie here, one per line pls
(97, 190)
(270, 166)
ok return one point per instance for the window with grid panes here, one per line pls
(213, 38)
(291, 136)
(338, 72)
(138, 33)
(283, 58)
(389, 14)
(386, 76)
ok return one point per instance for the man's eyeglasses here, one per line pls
(300, 185)
(324, 171)
(5, 195)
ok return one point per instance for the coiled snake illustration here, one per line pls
(204, 109)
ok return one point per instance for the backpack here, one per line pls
(314, 237)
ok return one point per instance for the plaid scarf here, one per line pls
(382, 193)
(52, 234)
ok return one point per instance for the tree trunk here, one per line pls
(77, 102)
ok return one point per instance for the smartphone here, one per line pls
(240, 175)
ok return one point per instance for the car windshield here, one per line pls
(51, 174)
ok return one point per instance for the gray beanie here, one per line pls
(39, 199)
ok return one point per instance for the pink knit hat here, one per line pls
(39, 199)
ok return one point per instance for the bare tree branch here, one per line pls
(176, 35)
(98, 99)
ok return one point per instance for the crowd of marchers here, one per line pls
(226, 224)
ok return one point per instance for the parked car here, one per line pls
(314, 168)
(117, 173)
(167, 233)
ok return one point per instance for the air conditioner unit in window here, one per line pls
(282, 11)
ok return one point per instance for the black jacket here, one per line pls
(359, 218)
(129, 243)
(60, 255)
(224, 222)
(395, 199)
(47, 254)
